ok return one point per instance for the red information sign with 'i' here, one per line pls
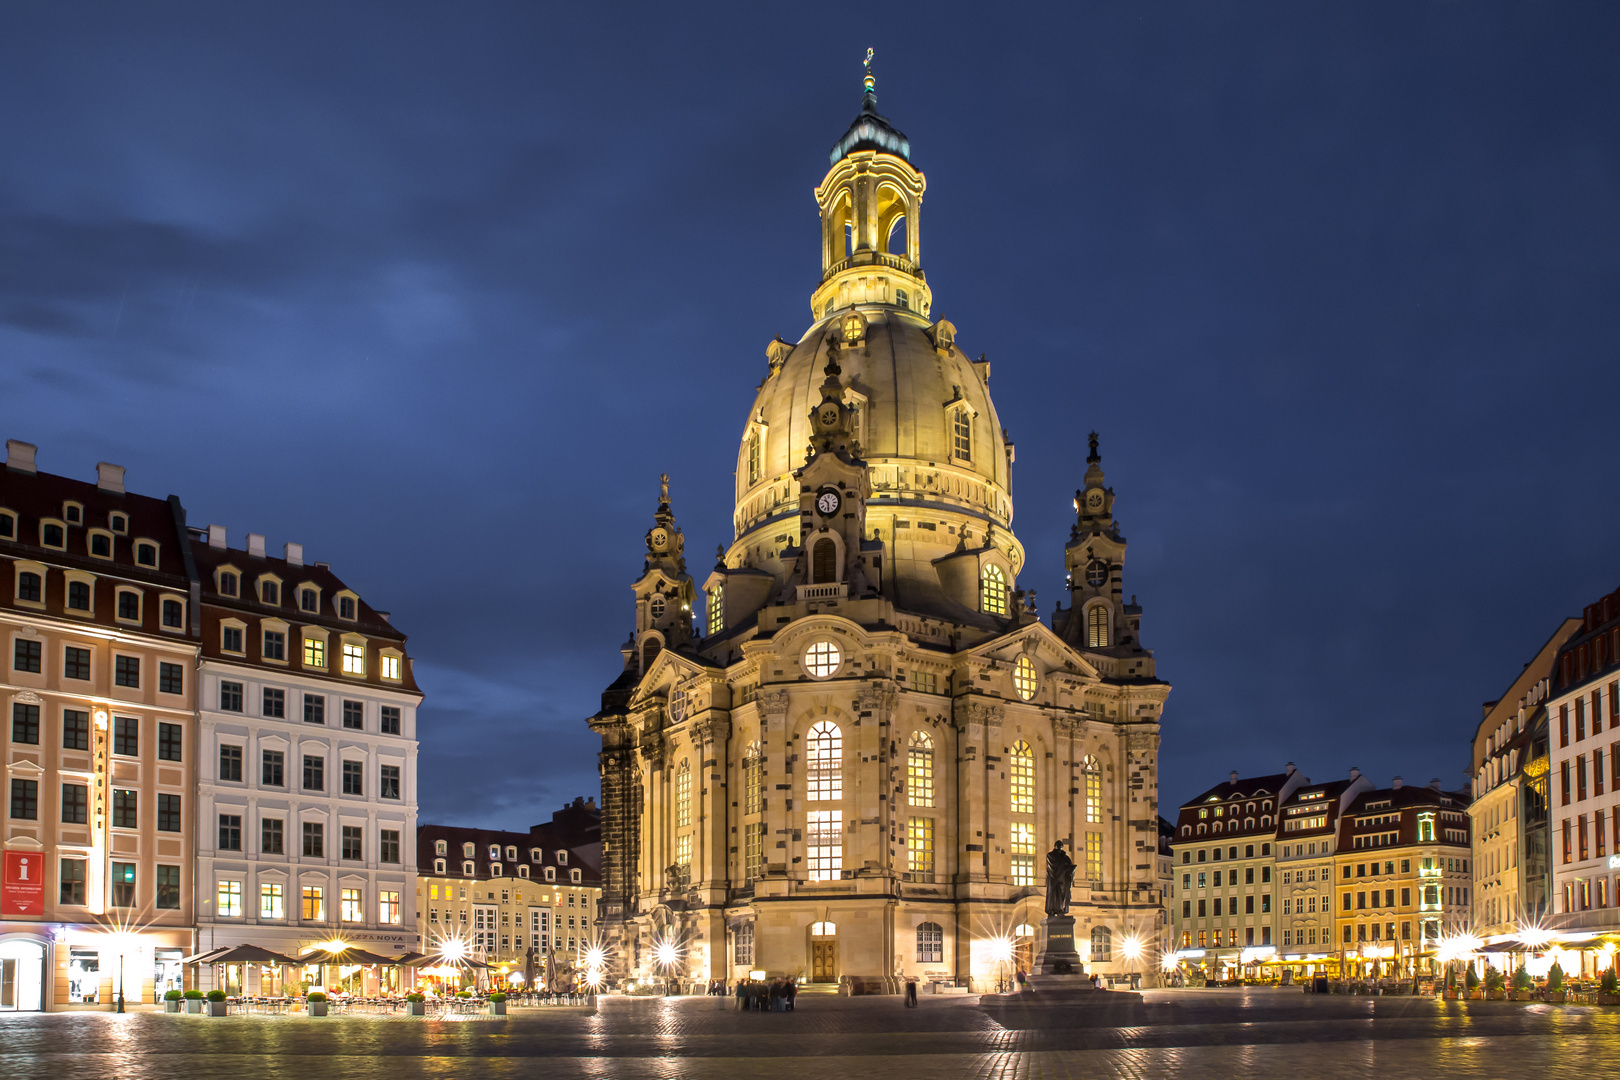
(22, 889)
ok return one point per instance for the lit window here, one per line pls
(1024, 677)
(754, 851)
(920, 848)
(1023, 853)
(717, 609)
(1094, 858)
(822, 659)
(920, 770)
(993, 590)
(1093, 778)
(230, 899)
(354, 659)
(390, 668)
(1097, 627)
(314, 903)
(683, 856)
(389, 908)
(683, 796)
(314, 653)
(1021, 768)
(272, 902)
(824, 772)
(824, 836)
(753, 780)
(352, 908)
(962, 435)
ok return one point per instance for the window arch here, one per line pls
(440, 847)
(930, 943)
(824, 561)
(1102, 945)
(683, 795)
(993, 590)
(920, 770)
(962, 434)
(649, 652)
(753, 779)
(1025, 680)
(1091, 772)
(1097, 627)
(753, 473)
(824, 770)
(1021, 770)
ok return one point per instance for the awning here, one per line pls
(205, 957)
(245, 954)
(419, 960)
(345, 956)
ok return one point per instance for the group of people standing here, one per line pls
(774, 996)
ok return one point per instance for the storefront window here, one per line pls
(84, 975)
(167, 971)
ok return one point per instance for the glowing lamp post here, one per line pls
(1133, 952)
(668, 955)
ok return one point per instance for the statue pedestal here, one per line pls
(1057, 955)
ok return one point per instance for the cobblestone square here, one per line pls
(1170, 1033)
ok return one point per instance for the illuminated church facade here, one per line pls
(851, 769)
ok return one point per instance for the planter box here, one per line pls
(1496, 995)
(216, 1008)
(1557, 997)
(497, 1008)
(1450, 995)
(416, 1008)
(1476, 995)
(171, 1006)
(1608, 999)
(195, 1006)
(317, 1008)
(1521, 995)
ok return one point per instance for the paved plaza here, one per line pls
(1170, 1033)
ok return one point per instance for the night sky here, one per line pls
(439, 290)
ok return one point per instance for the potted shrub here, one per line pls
(216, 1003)
(1471, 977)
(415, 1005)
(317, 1003)
(194, 1001)
(1522, 990)
(1450, 992)
(1555, 984)
(1609, 989)
(1495, 985)
(171, 1001)
(497, 1004)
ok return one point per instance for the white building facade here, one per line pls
(306, 800)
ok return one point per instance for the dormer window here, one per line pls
(73, 513)
(146, 553)
(511, 854)
(467, 850)
(440, 847)
(438, 866)
(551, 873)
(962, 435)
(494, 851)
(118, 523)
(8, 525)
(534, 854)
(269, 591)
(309, 599)
(391, 666)
(101, 545)
(228, 583)
(52, 535)
(523, 870)
(574, 875)
(347, 608)
(467, 869)
(495, 869)
(562, 858)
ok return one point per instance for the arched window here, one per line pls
(1097, 627)
(993, 590)
(440, 847)
(717, 608)
(753, 458)
(1021, 771)
(930, 944)
(962, 434)
(1102, 945)
(824, 768)
(753, 780)
(649, 653)
(1092, 773)
(920, 770)
(824, 561)
(683, 795)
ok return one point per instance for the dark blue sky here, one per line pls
(438, 291)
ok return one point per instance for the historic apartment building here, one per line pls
(1402, 874)
(853, 773)
(1512, 874)
(1306, 841)
(1583, 710)
(100, 624)
(306, 807)
(1225, 902)
(514, 900)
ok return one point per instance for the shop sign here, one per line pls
(22, 886)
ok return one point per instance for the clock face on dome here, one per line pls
(1094, 501)
(658, 538)
(827, 502)
(1096, 572)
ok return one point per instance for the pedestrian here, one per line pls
(792, 993)
(911, 992)
(1022, 978)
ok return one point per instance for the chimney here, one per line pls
(294, 554)
(1355, 773)
(110, 477)
(1289, 769)
(1234, 776)
(216, 536)
(256, 545)
(1435, 783)
(20, 455)
(1395, 785)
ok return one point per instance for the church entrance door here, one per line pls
(824, 961)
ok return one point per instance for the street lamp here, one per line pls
(1133, 952)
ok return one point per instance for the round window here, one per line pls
(1024, 680)
(657, 607)
(822, 659)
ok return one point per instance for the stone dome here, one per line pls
(914, 393)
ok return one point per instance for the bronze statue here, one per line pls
(1059, 880)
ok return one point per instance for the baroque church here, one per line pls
(850, 770)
